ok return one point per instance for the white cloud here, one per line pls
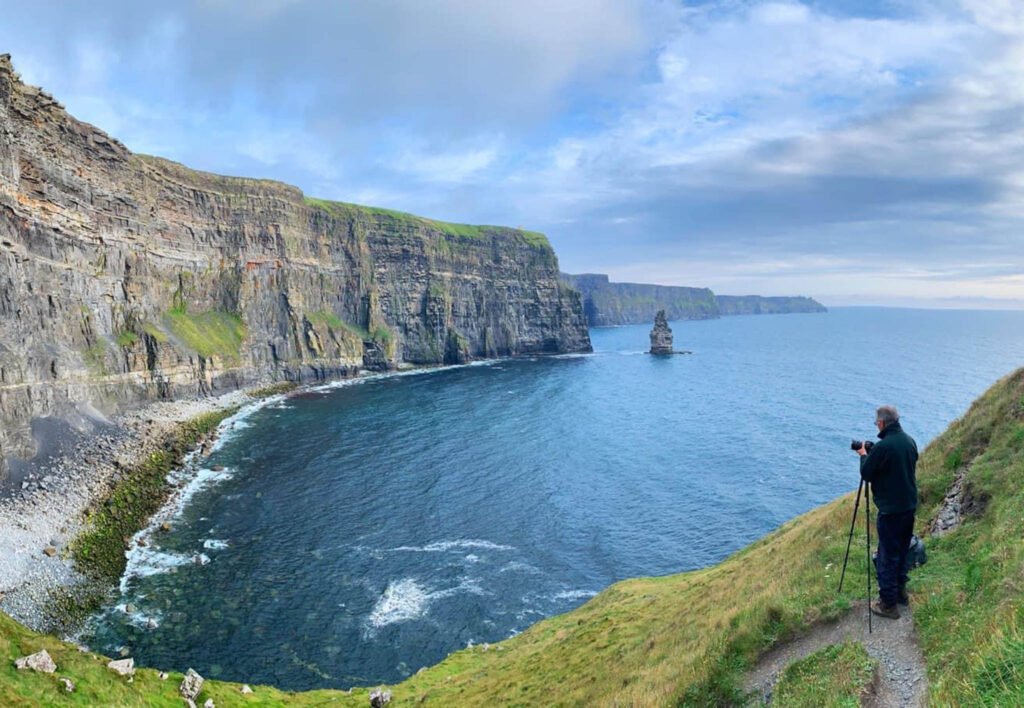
(449, 166)
(644, 135)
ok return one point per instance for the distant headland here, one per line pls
(608, 304)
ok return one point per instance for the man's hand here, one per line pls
(861, 451)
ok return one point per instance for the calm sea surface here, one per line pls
(358, 533)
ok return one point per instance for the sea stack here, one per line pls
(661, 335)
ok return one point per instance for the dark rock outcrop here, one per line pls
(609, 304)
(661, 335)
(126, 278)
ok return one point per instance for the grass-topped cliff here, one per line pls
(687, 639)
(133, 278)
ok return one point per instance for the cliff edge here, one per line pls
(125, 277)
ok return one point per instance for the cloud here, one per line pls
(788, 146)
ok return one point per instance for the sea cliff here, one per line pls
(126, 278)
(760, 305)
(608, 303)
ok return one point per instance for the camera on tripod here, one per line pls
(856, 445)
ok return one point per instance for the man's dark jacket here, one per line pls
(890, 469)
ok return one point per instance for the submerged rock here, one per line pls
(40, 661)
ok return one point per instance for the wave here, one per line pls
(402, 601)
(406, 599)
(573, 594)
(214, 544)
(144, 561)
(520, 567)
(368, 378)
(459, 545)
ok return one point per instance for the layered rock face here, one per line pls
(126, 278)
(608, 304)
(760, 305)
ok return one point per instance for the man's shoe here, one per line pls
(883, 610)
(904, 598)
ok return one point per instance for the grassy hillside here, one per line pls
(687, 639)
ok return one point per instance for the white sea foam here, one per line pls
(459, 545)
(573, 594)
(402, 601)
(406, 599)
(519, 567)
(144, 561)
(215, 544)
(367, 377)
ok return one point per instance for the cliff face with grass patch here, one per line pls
(125, 277)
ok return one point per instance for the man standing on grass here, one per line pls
(891, 468)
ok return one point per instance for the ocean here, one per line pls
(355, 533)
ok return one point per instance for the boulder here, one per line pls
(40, 661)
(50, 551)
(380, 698)
(69, 685)
(245, 689)
(191, 685)
(124, 667)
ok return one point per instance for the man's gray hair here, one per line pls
(888, 414)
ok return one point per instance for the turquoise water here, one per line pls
(358, 533)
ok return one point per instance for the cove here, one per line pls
(359, 532)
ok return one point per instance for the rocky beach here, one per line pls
(42, 515)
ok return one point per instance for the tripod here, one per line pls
(867, 525)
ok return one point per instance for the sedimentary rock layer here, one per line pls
(608, 304)
(760, 305)
(125, 277)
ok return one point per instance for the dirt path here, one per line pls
(902, 678)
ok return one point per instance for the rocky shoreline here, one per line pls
(47, 511)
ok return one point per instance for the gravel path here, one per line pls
(47, 509)
(902, 678)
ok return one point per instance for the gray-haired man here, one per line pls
(891, 468)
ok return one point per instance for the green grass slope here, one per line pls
(687, 639)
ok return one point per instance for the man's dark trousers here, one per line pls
(894, 534)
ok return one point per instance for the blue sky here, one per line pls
(859, 151)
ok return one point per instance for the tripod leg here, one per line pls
(867, 526)
(849, 541)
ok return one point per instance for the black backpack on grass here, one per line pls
(916, 555)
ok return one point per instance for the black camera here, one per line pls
(856, 445)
